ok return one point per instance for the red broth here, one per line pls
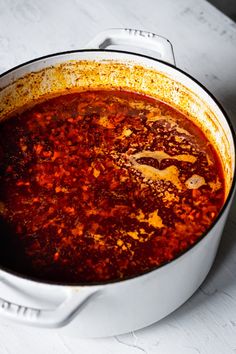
(103, 185)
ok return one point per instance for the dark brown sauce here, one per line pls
(103, 185)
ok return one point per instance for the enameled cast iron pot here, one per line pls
(130, 304)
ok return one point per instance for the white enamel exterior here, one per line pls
(160, 46)
(124, 306)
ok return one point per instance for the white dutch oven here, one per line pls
(130, 304)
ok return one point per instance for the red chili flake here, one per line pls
(56, 256)
(38, 148)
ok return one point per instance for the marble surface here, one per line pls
(204, 41)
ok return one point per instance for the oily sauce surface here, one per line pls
(102, 185)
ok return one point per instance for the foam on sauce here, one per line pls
(195, 182)
(169, 174)
(160, 155)
(103, 185)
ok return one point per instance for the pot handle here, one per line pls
(137, 38)
(48, 318)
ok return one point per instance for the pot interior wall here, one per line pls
(24, 86)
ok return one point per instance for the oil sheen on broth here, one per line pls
(103, 185)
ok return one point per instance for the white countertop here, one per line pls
(204, 41)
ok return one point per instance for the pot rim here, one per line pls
(203, 236)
